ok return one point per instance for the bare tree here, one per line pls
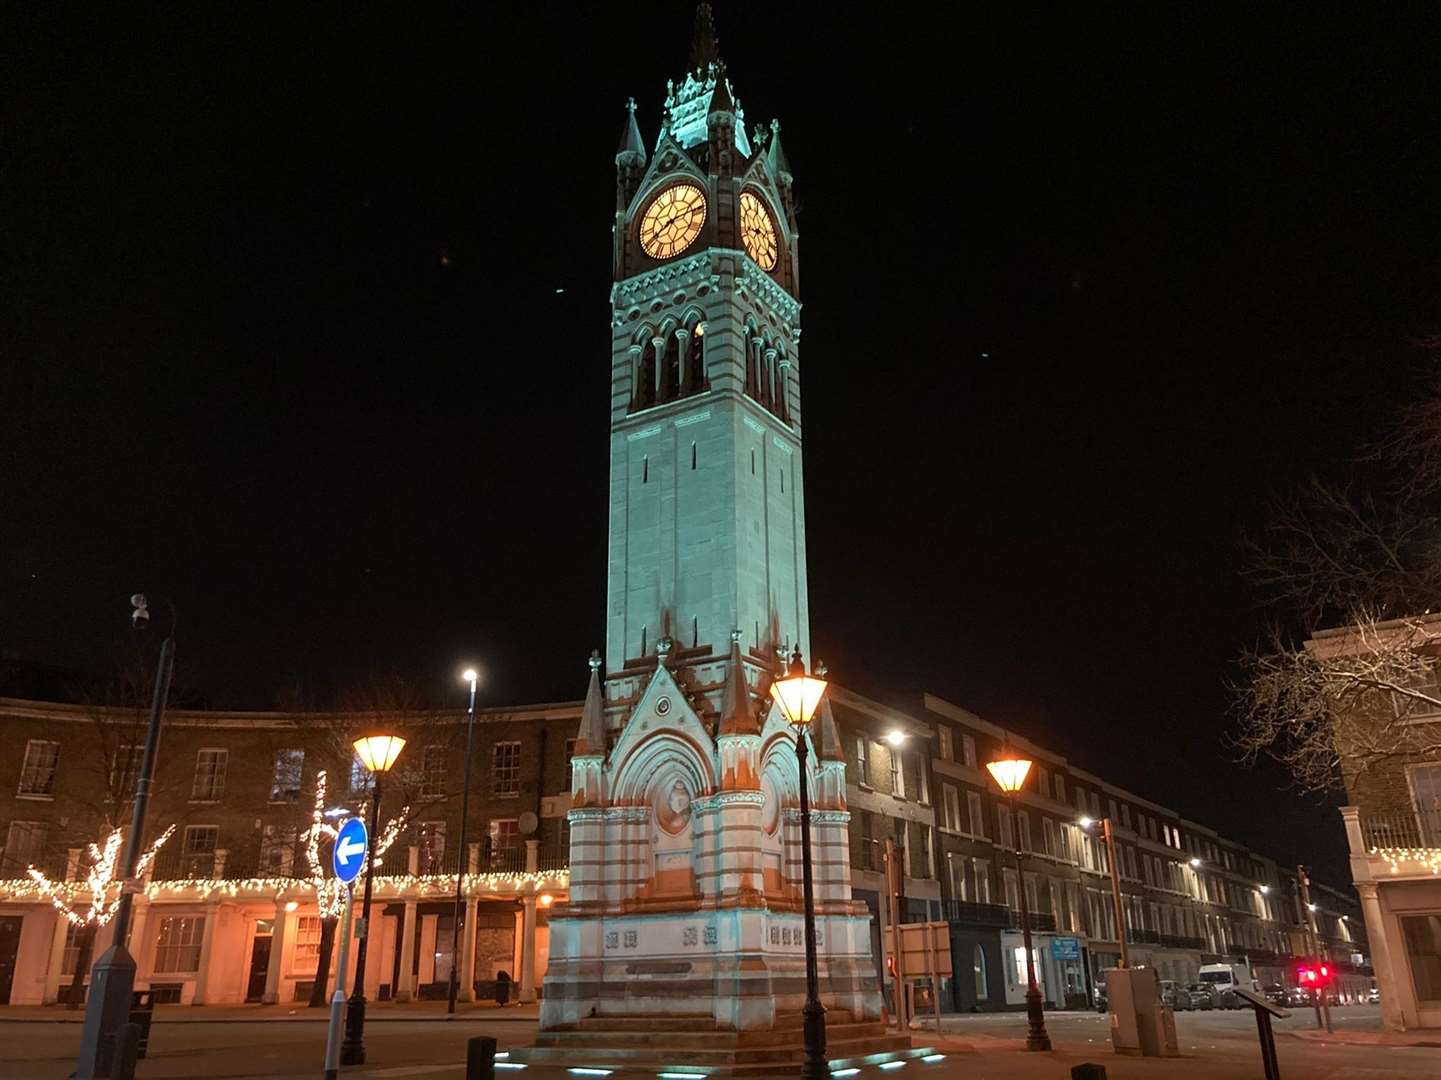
(1362, 554)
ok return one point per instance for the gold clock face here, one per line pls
(672, 221)
(758, 232)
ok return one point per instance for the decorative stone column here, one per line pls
(467, 956)
(783, 406)
(637, 372)
(682, 354)
(658, 344)
(770, 380)
(405, 988)
(277, 954)
(207, 940)
(53, 974)
(139, 926)
(528, 926)
(1391, 1016)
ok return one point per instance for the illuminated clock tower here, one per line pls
(707, 515)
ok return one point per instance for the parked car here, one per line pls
(1300, 997)
(1373, 996)
(1277, 994)
(1174, 996)
(1203, 995)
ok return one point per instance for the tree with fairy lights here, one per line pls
(329, 891)
(104, 886)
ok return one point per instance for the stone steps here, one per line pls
(691, 1038)
(727, 1061)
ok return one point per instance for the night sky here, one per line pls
(305, 324)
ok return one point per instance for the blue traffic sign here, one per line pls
(1065, 948)
(349, 854)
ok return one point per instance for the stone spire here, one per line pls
(776, 157)
(737, 716)
(590, 739)
(720, 99)
(632, 148)
(704, 45)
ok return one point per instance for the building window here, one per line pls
(863, 772)
(1023, 820)
(1012, 887)
(277, 850)
(434, 764)
(981, 875)
(923, 782)
(306, 957)
(177, 946)
(209, 774)
(504, 838)
(957, 874)
(1059, 782)
(125, 769)
(361, 779)
(198, 850)
(968, 750)
(1125, 816)
(898, 774)
(70, 958)
(951, 807)
(1043, 782)
(976, 812)
(946, 746)
(37, 774)
(285, 780)
(505, 768)
(569, 754)
(978, 965)
(432, 847)
(24, 844)
(1003, 827)
(1048, 837)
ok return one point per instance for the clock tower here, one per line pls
(707, 510)
(684, 907)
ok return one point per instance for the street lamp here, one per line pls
(377, 753)
(799, 695)
(471, 677)
(1110, 839)
(112, 979)
(1010, 774)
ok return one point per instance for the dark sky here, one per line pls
(282, 337)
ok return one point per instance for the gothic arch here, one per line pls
(660, 755)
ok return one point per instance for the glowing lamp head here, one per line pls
(378, 752)
(470, 675)
(1195, 863)
(291, 905)
(545, 899)
(1310, 907)
(1265, 889)
(798, 694)
(1086, 822)
(895, 737)
(1009, 773)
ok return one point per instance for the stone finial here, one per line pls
(737, 717)
(590, 738)
(594, 660)
(663, 648)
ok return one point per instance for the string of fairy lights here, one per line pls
(1395, 856)
(104, 888)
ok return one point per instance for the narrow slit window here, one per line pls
(645, 469)
(753, 462)
(783, 481)
(643, 629)
(692, 455)
(694, 631)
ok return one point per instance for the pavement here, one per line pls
(378, 1012)
(413, 1041)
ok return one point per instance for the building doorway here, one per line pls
(259, 960)
(9, 950)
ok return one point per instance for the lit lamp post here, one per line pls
(798, 696)
(1010, 776)
(471, 677)
(377, 753)
(112, 979)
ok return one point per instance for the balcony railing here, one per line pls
(1041, 921)
(1402, 829)
(963, 911)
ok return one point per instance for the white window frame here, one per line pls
(281, 839)
(975, 814)
(214, 790)
(898, 773)
(183, 955)
(430, 846)
(434, 771)
(29, 853)
(279, 791)
(305, 950)
(37, 776)
(129, 757)
(951, 807)
(923, 795)
(863, 765)
(945, 743)
(981, 876)
(968, 750)
(505, 777)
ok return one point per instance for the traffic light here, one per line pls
(1314, 976)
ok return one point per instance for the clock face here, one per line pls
(758, 232)
(672, 221)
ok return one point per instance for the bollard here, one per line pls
(1088, 1071)
(127, 1045)
(480, 1058)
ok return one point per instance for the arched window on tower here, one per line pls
(752, 347)
(645, 375)
(695, 365)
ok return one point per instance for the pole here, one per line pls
(337, 1000)
(813, 1012)
(1036, 1037)
(461, 856)
(353, 1051)
(112, 979)
(893, 899)
(1322, 1007)
(1116, 890)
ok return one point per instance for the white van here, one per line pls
(1224, 979)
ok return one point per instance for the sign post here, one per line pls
(347, 858)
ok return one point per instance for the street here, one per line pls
(1214, 1045)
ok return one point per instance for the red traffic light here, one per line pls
(1314, 977)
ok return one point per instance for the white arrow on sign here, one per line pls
(347, 848)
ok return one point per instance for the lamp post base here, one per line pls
(112, 981)
(352, 1051)
(1036, 1037)
(813, 1025)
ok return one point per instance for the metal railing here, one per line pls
(1041, 921)
(964, 911)
(1401, 829)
